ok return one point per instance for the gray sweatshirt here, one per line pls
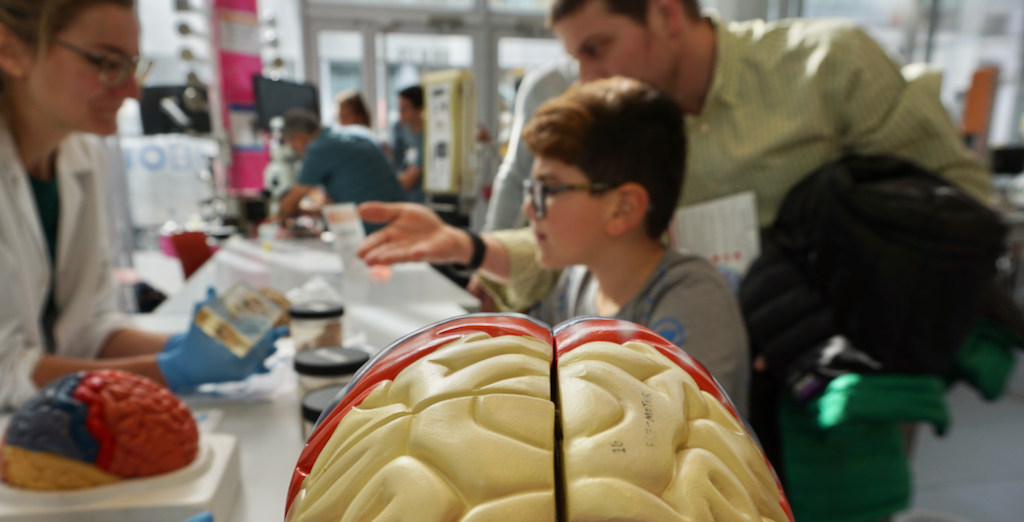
(685, 300)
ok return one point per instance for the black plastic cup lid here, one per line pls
(330, 362)
(314, 402)
(317, 310)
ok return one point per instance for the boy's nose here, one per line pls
(527, 208)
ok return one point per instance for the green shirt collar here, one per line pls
(728, 55)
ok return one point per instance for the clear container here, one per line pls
(321, 368)
(238, 318)
(316, 324)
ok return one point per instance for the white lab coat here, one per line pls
(84, 289)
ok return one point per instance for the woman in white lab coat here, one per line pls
(66, 67)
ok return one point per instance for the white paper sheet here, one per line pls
(723, 230)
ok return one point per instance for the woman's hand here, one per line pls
(192, 358)
(414, 233)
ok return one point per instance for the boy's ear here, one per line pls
(629, 209)
(15, 55)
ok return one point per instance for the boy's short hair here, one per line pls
(635, 9)
(616, 131)
(414, 94)
(354, 101)
(300, 121)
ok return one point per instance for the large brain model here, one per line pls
(494, 418)
(93, 428)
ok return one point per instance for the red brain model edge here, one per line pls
(501, 418)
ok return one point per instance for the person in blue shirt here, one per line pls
(408, 149)
(347, 164)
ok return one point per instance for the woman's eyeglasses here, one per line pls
(538, 192)
(115, 68)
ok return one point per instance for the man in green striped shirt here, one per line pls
(765, 104)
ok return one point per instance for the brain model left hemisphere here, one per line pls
(94, 428)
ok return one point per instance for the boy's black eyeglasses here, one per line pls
(538, 192)
(115, 68)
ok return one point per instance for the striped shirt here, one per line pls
(786, 98)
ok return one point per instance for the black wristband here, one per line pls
(479, 251)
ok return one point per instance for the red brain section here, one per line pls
(142, 428)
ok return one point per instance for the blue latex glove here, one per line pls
(193, 358)
(177, 340)
(205, 516)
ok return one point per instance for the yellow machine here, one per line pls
(449, 138)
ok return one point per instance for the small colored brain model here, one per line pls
(500, 418)
(93, 428)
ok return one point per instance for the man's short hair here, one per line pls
(414, 94)
(300, 121)
(616, 131)
(635, 9)
(355, 102)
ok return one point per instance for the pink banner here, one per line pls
(248, 171)
(236, 72)
(236, 40)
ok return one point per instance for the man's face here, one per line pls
(408, 113)
(609, 44)
(299, 142)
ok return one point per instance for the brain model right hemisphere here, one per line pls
(495, 418)
(94, 428)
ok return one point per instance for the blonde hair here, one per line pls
(37, 22)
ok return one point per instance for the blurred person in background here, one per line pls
(351, 109)
(352, 112)
(408, 146)
(345, 162)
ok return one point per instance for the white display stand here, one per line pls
(209, 483)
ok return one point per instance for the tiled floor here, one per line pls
(977, 470)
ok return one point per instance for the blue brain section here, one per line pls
(54, 421)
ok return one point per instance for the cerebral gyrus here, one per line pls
(502, 418)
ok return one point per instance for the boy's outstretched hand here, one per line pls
(414, 233)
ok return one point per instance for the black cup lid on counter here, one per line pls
(314, 402)
(330, 362)
(317, 310)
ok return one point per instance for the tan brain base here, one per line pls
(468, 434)
(46, 471)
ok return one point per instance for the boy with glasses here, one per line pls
(608, 166)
